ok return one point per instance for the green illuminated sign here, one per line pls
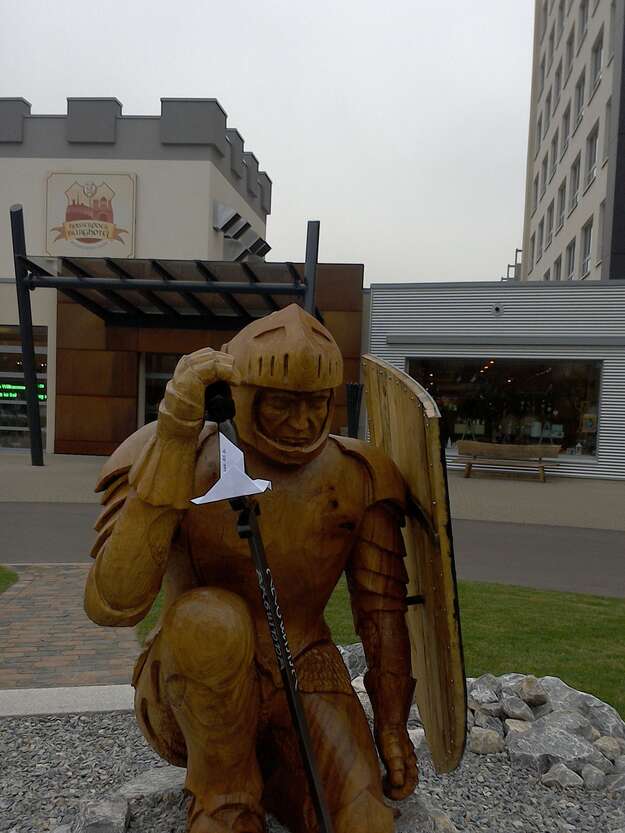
(10, 390)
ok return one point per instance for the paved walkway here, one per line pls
(47, 640)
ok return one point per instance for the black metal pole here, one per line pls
(26, 334)
(199, 287)
(310, 266)
(219, 407)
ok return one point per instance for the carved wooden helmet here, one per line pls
(287, 350)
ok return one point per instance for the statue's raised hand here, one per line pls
(184, 395)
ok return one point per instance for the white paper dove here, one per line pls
(233, 481)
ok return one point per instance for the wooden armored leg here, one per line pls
(347, 762)
(209, 683)
(467, 469)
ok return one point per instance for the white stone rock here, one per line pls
(568, 721)
(485, 741)
(594, 779)
(417, 736)
(616, 784)
(358, 684)
(608, 747)
(512, 725)
(543, 746)
(104, 816)
(159, 782)
(601, 715)
(531, 691)
(619, 764)
(510, 680)
(561, 776)
(354, 659)
(442, 823)
(515, 708)
(541, 711)
(485, 721)
(493, 709)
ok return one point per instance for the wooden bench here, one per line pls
(505, 455)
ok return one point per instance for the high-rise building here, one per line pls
(574, 223)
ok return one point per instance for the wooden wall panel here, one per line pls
(180, 341)
(339, 286)
(77, 328)
(97, 373)
(95, 418)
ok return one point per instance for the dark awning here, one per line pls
(181, 294)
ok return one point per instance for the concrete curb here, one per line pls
(28, 702)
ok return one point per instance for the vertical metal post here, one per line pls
(26, 334)
(310, 266)
(354, 400)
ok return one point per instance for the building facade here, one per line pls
(573, 221)
(96, 183)
(515, 362)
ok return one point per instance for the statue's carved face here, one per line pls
(292, 418)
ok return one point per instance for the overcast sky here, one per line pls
(402, 126)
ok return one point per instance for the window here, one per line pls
(574, 185)
(580, 89)
(535, 187)
(583, 19)
(547, 111)
(570, 51)
(557, 268)
(591, 155)
(566, 128)
(586, 247)
(13, 416)
(554, 154)
(547, 275)
(544, 168)
(549, 231)
(607, 126)
(596, 61)
(557, 85)
(600, 232)
(159, 368)
(515, 400)
(530, 265)
(539, 240)
(551, 46)
(570, 260)
(541, 75)
(539, 131)
(561, 204)
(560, 19)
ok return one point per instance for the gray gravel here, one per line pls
(47, 764)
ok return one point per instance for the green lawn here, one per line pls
(7, 578)
(576, 637)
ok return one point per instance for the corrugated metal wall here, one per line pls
(425, 315)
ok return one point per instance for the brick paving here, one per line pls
(46, 639)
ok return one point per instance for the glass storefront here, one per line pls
(13, 416)
(159, 368)
(515, 400)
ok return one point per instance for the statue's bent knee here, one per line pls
(208, 636)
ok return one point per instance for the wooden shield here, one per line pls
(404, 420)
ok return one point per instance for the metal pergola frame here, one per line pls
(160, 292)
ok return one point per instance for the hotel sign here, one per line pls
(90, 214)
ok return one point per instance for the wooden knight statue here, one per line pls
(209, 695)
